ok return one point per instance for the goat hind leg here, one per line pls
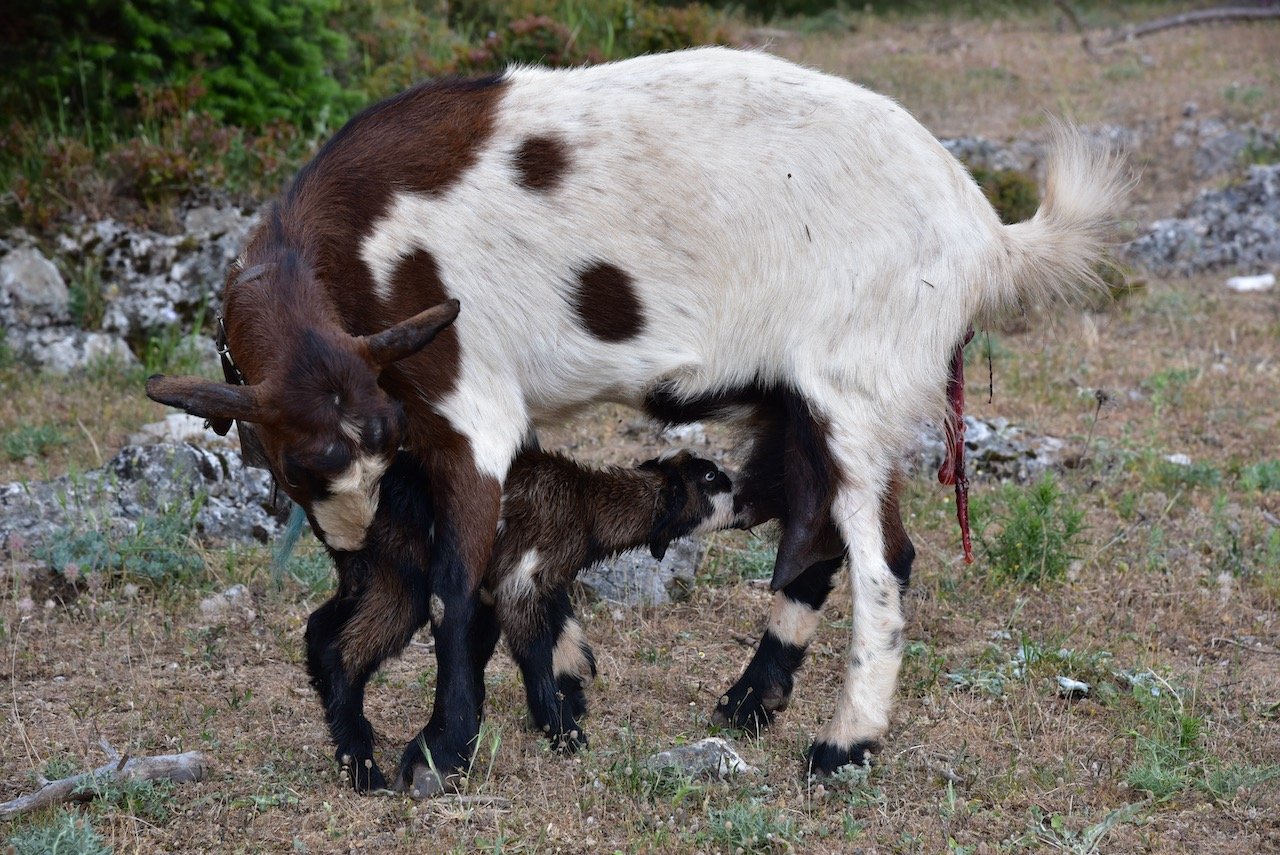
(556, 663)
(875, 653)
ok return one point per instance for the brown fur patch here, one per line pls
(381, 624)
(541, 162)
(896, 541)
(607, 304)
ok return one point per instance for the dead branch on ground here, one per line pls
(1186, 19)
(184, 768)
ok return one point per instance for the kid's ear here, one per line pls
(666, 516)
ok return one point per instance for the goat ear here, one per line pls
(211, 399)
(666, 514)
(410, 336)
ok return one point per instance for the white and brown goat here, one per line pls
(705, 232)
(558, 518)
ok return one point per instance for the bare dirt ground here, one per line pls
(1169, 611)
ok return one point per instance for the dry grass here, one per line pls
(1178, 584)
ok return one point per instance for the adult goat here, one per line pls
(705, 232)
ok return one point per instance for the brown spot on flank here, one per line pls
(540, 163)
(606, 303)
(416, 285)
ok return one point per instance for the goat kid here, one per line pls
(703, 230)
(559, 517)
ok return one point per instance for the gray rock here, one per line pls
(980, 152)
(209, 222)
(178, 428)
(32, 292)
(230, 501)
(62, 350)
(152, 281)
(712, 757)
(636, 578)
(992, 447)
(217, 605)
(1237, 227)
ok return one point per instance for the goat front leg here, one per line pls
(467, 505)
(347, 639)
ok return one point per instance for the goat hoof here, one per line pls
(751, 710)
(824, 759)
(568, 743)
(428, 783)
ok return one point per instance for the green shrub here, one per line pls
(1263, 476)
(1012, 193)
(32, 441)
(573, 32)
(1036, 531)
(258, 59)
(156, 552)
(66, 834)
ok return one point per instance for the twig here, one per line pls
(97, 452)
(184, 768)
(459, 800)
(1075, 22)
(745, 641)
(1186, 19)
(1216, 640)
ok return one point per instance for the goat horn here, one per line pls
(209, 399)
(410, 336)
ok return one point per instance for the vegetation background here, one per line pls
(1154, 582)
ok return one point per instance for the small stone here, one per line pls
(712, 757)
(1246, 284)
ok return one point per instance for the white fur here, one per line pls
(345, 515)
(792, 622)
(518, 585)
(779, 225)
(568, 658)
(721, 516)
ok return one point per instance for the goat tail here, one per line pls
(1060, 251)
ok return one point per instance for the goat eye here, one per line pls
(710, 476)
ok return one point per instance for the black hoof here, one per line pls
(421, 778)
(750, 710)
(824, 759)
(362, 773)
(569, 742)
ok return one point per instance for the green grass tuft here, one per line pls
(66, 833)
(1029, 535)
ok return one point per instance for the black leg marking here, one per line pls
(342, 692)
(449, 736)
(557, 702)
(764, 689)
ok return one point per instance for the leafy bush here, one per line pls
(572, 32)
(156, 551)
(1263, 475)
(1036, 531)
(66, 833)
(1013, 194)
(32, 441)
(258, 59)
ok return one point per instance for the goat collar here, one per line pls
(250, 445)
